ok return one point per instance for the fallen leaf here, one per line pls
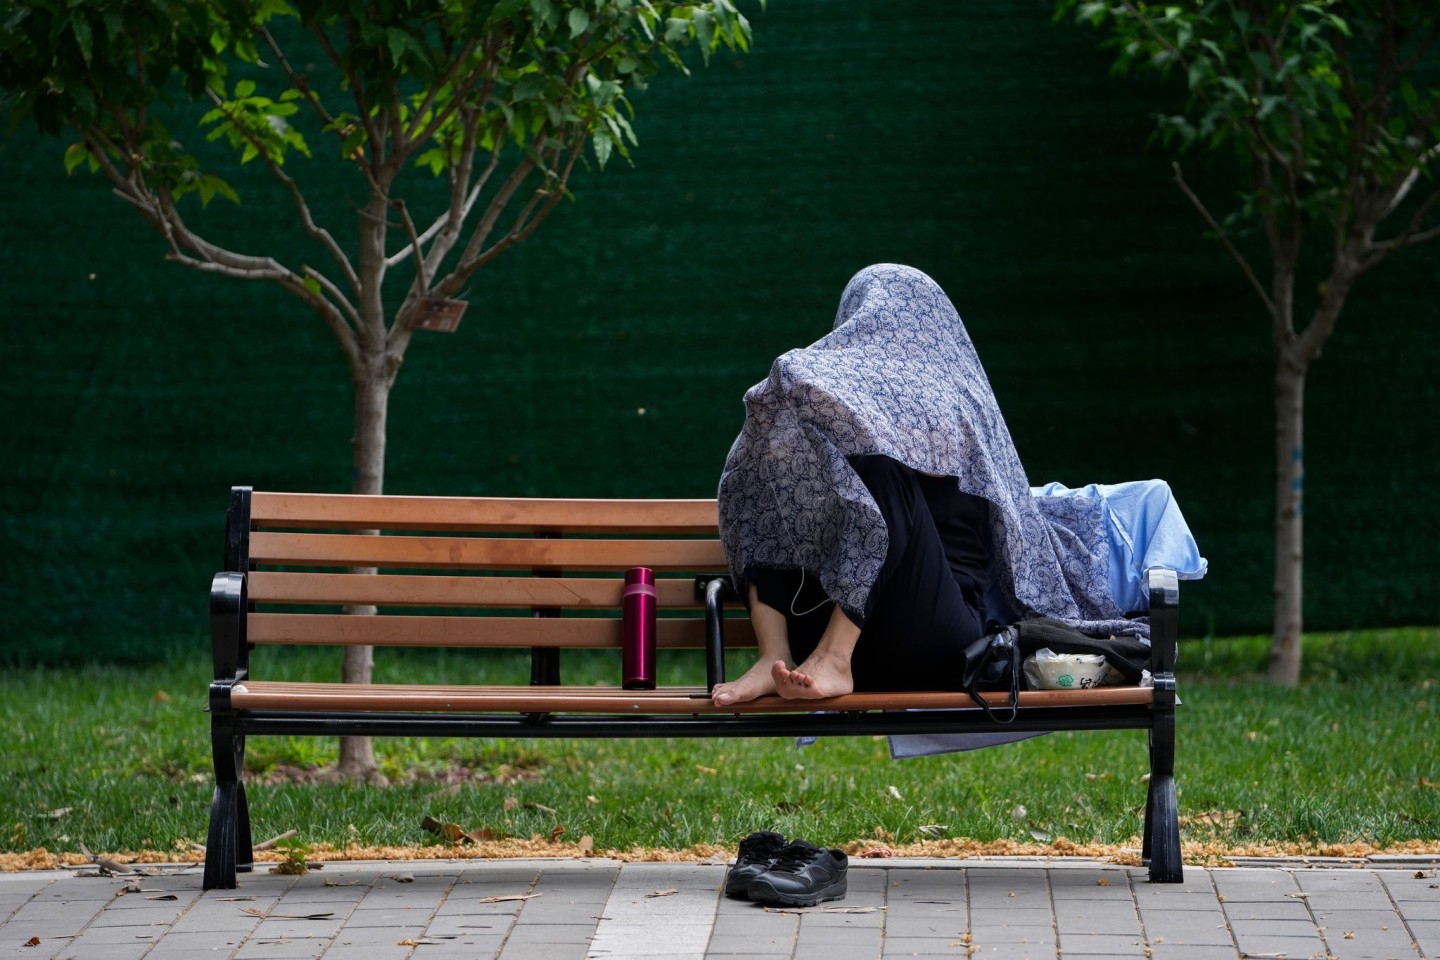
(1018, 811)
(57, 813)
(893, 792)
(592, 799)
(668, 891)
(404, 878)
(161, 696)
(555, 834)
(877, 853)
(446, 830)
(1349, 934)
(509, 897)
(1297, 896)
(932, 829)
(1102, 882)
(530, 805)
(1041, 836)
(487, 833)
(254, 912)
(708, 771)
(510, 803)
(586, 844)
(33, 942)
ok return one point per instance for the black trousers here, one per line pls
(918, 620)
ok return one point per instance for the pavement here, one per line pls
(536, 909)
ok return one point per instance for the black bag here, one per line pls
(1129, 655)
(993, 661)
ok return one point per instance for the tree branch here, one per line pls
(297, 80)
(216, 259)
(1412, 235)
(319, 233)
(1224, 239)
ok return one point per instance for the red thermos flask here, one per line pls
(637, 608)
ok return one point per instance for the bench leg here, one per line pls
(228, 846)
(1160, 847)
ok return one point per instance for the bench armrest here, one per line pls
(714, 591)
(1164, 588)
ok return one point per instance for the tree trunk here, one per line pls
(372, 399)
(1285, 647)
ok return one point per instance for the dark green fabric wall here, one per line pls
(977, 141)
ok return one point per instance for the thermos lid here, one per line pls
(640, 575)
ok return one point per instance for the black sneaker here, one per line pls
(757, 852)
(802, 876)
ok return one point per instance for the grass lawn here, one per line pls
(118, 758)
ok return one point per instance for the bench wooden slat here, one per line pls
(481, 514)
(278, 695)
(483, 632)
(350, 550)
(268, 586)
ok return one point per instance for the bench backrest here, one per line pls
(468, 571)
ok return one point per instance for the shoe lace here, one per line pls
(763, 848)
(793, 858)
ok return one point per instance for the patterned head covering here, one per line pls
(898, 376)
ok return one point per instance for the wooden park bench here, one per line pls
(547, 575)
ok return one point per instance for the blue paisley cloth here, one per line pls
(899, 376)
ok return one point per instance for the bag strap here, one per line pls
(995, 646)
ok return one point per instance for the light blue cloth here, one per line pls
(1144, 528)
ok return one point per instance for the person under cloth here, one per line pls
(875, 514)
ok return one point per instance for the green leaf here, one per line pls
(705, 32)
(579, 20)
(75, 154)
(244, 88)
(83, 38)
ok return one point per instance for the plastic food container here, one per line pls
(1047, 670)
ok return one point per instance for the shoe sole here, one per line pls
(737, 892)
(836, 891)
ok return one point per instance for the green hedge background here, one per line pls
(978, 141)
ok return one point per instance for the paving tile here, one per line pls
(1182, 951)
(1289, 947)
(925, 947)
(1246, 929)
(1107, 914)
(1195, 927)
(1043, 935)
(952, 925)
(1020, 916)
(1367, 945)
(460, 925)
(1101, 944)
(759, 922)
(553, 951)
(1285, 909)
(773, 944)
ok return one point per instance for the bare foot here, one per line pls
(755, 682)
(819, 676)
